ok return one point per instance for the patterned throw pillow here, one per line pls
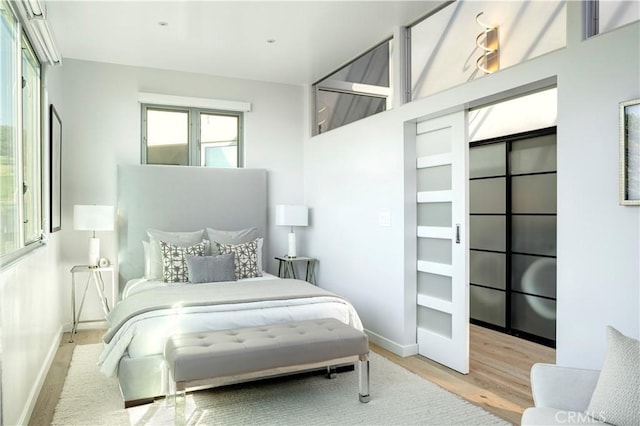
(246, 258)
(174, 264)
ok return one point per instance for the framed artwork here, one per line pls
(630, 153)
(55, 170)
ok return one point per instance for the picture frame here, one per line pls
(55, 170)
(630, 153)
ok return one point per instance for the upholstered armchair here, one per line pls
(574, 396)
(561, 395)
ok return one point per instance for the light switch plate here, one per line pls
(384, 218)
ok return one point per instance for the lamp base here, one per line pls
(292, 245)
(94, 252)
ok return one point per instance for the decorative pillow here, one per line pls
(246, 258)
(231, 237)
(174, 265)
(211, 269)
(182, 239)
(616, 398)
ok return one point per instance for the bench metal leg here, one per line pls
(332, 372)
(363, 378)
(180, 402)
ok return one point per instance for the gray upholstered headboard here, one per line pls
(179, 198)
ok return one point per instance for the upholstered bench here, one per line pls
(197, 359)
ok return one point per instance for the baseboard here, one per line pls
(390, 345)
(42, 376)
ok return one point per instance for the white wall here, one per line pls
(30, 313)
(102, 130)
(353, 173)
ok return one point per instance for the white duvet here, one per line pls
(145, 334)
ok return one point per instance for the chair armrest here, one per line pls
(563, 388)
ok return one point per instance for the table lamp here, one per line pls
(292, 215)
(93, 218)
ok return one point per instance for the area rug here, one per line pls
(398, 397)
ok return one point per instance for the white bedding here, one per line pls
(145, 334)
(141, 284)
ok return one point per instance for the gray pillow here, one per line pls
(182, 239)
(211, 269)
(230, 237)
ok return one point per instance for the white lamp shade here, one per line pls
(292, 215)
(93, 218)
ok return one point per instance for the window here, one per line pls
(191, 136)
(604, 16)
(355, 91)
(20, 139)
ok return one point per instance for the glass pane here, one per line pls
(534, 315)
(487, 305)
(436, 178)
(533, 194)
(488, 269)
(534, 275)
(31, 164)
(487, 195)
(487, 160)
(214, 155)
(434, 214)
(434, 285)
(434, 321)
(371, 68)
(167, 137)
(434, 250)
(9, 183)
(434, 142)
(487, 232)
(534, 235)
(337, 109)
(218, 140)
(533, 155)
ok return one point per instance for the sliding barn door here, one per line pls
(442, 241)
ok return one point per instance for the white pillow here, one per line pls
(616, 398)
(181, 239)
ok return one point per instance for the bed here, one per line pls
(232, 216)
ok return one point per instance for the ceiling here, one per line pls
(310, 39)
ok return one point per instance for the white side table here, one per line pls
(94, 274)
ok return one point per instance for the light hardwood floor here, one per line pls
(498, 380)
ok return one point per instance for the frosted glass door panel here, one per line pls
(534, 275)
(434, 250)
(434, 214)
(487, 269)
(434, 178)
(533, 155)
(434, 321)
(534, 315)
(433, 285)
(487, 195)
(487, 305)
(534, 235)
(433, 142)
(533, 194)
(488, 160)
(487, 233)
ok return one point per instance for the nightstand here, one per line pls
(94, 275)
(286, 267)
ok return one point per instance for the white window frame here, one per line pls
(23, 245)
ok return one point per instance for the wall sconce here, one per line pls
(489, 42)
